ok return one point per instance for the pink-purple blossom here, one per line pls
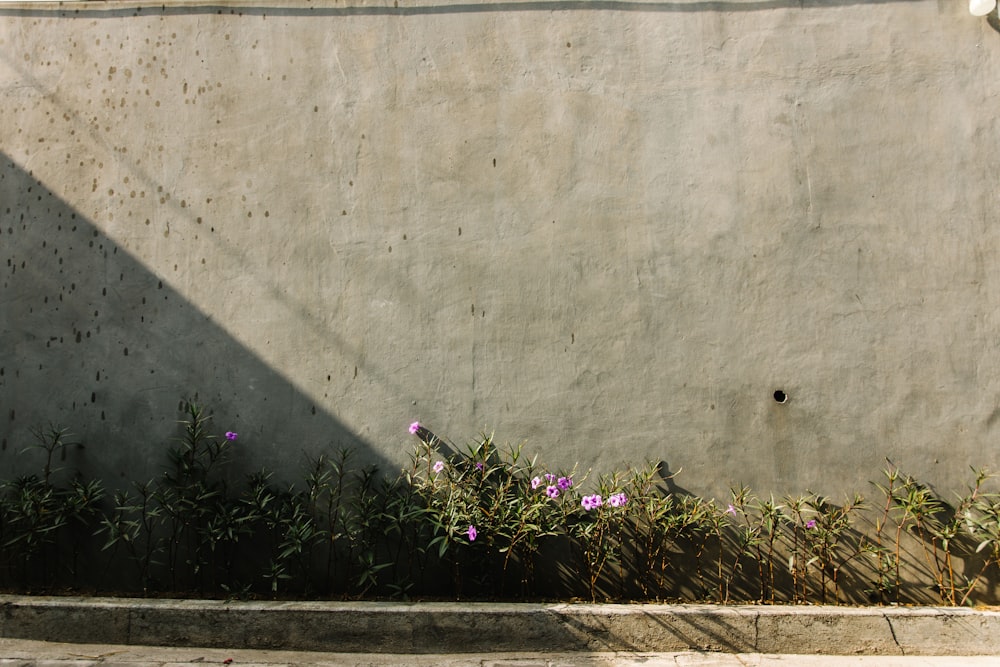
(552, 491)
(479, 465)
(536, 482)
(811, 523)
(549, 476)
(591, 502)
(232, 435)
(414, 428)
(564, 483)
(618, 500)
(731, 510)
(472, 533)
(438, 467)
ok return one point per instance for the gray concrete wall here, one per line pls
(611, 228)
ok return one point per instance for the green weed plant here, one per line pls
(482, 521)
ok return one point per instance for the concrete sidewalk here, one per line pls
(83, 631)
(27, 653)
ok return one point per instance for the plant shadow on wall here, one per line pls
(487, 521)
(93, 341)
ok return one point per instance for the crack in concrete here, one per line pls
(892, 631)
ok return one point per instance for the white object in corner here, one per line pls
(981, 7)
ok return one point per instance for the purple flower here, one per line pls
(618, 500)
(479, 465)
(591, 502)
(552, 491)
(439, 466)
(731, 510)
(414, 428)
(232, 435)
(549, 476)
(536, 482)
(811, 523)
(472, 533)
(564, 483)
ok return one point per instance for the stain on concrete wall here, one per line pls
(616, 229)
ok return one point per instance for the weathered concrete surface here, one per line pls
(615, 229)
(22, 653)
(436, 628)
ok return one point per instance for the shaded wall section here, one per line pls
(615, 229)
(96, 343)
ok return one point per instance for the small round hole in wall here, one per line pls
(780, 396)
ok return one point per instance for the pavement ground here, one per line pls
(30, 653)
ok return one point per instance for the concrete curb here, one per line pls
(368, 627)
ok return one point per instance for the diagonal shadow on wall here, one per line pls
(92, 341)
